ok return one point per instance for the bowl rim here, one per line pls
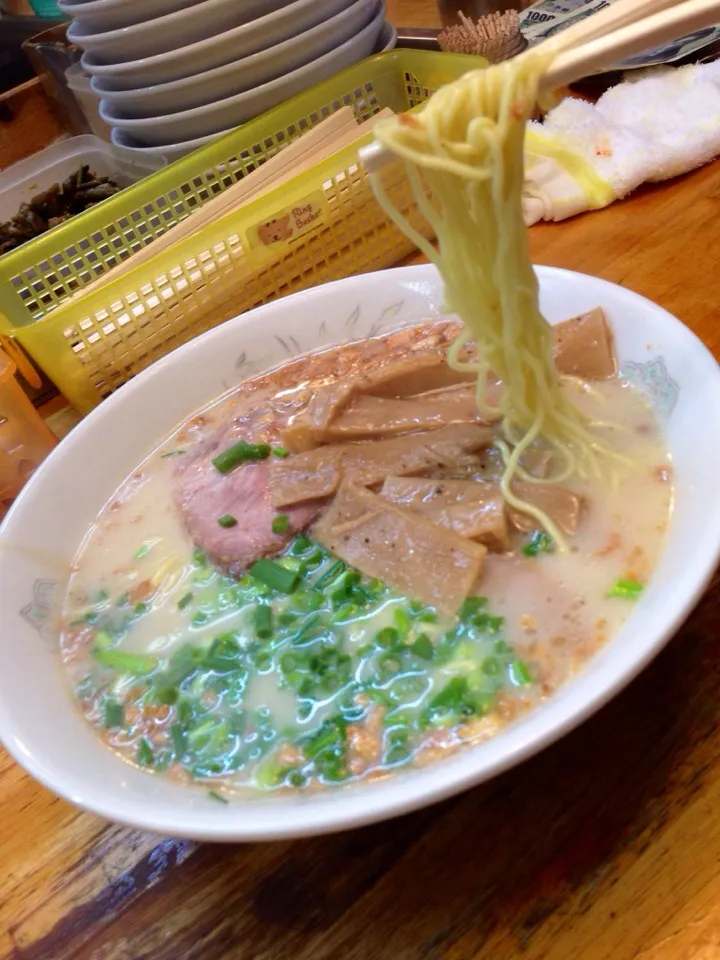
(153, 60)
(338, 810)
(134, 93)
(181, 116)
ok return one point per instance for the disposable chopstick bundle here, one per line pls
(333, 134)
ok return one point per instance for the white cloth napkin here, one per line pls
(656, 125)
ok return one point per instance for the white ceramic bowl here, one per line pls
(247, 72)
(217, 50)
(39, 724)
(162, 34)
(170, 151)
(232, 111)
(111, 14)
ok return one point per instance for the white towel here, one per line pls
(657, 125)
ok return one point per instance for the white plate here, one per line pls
(244, 73)
(232, 111)
(170, 151)
(163, 34)
(40, 725)
(110, 14)
(218, 50)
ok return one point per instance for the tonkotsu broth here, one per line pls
(354, 683)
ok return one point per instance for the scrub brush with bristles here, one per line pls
(496, 36)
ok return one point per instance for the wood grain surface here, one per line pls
(28, 122)
(604, 847)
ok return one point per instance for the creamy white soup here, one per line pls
(317, 579)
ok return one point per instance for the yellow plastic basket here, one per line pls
(91, 346)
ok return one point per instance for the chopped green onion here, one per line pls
(103, 640)
(145, 549)
(241, 452)
(402, 622)
(334, 571)
(172, 453)
(387, 638)
(126, 662)
(472, 606)
(145, 755)
(167, 696)
(487, 623)
(348, 611)
(520, 673)
(300, 544)
(113, 714)
(275, 576)
(539, 542)
(281, 452)
(214, 795)
(491, 666)
(263, 621)
(423, 647)
(626, 588)
(185, 601)
(452, 694)
(308, 631)
(280, 523)
(227, 520)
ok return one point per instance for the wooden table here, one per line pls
(604, 847)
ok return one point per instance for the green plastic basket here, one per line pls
(90, 346)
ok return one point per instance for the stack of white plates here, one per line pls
(176, 78)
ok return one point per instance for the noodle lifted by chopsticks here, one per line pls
(465, 151)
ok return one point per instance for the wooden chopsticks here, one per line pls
(633, 37)
(335, 133)
(621, 30)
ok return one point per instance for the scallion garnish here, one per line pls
(214, 795)
(280, 523)
(539, 542)
(241, 452)
(171, 453)
(185, 601)
(126, 662)
(113, 714)
(145, 755)
(472, 606)
(103, 640)
(263, 621)
(423, 647)
(334, 571)
(281, 452)
(227, 520)
(275, 576)
(519, 673)
(626, 589)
